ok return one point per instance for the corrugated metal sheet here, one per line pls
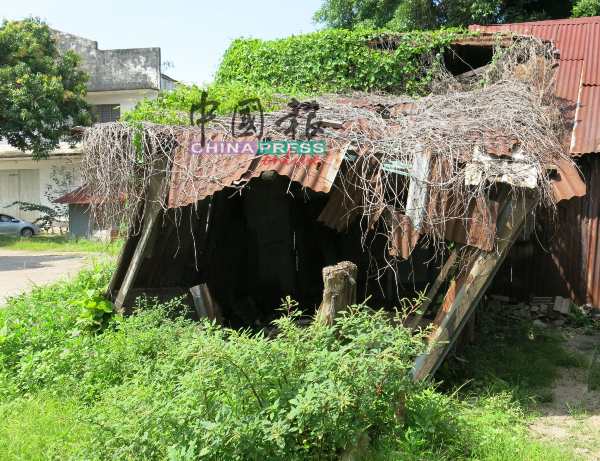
(586, 134)
(195, 177)
(578, 80)
(79, 196)
(562, 257)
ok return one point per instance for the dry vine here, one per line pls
(463, 128)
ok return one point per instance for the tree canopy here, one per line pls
(41, 89)
(405, 15)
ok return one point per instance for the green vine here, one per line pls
(335, 60)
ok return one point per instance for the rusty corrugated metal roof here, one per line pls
(195, 177)
(578, 79)
(79, 196)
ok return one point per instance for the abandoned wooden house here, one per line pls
(563, 256)
(426, 194)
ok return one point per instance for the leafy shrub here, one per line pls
(302, 395)
(173, 108)
(335, 60)
(97, 314)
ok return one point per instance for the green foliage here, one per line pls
(578, 319)
(334, 61)
(173, 108)
(302, 395)
(97, 314)
(41, 89)
(585, 8)
(409, 15)
(158, 386)
(43, 427)
(478, 427)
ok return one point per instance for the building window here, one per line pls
(107, 113)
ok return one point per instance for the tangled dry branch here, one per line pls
(504, 125)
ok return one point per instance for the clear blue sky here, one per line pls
(192, 34)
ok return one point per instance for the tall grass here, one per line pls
(157, 386)
(58, 243)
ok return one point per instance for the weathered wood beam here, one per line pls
(469, 290)
(150, 222)
(435, 287)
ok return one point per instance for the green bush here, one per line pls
(232, 395)
(173, 108)
(157, 385)
(335, 60)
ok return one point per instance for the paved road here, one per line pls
(18, 269)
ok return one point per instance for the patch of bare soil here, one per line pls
(573, 417)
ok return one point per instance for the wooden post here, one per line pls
(340, 290)
(151, 219)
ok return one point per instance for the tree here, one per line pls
(41, 89)
(405, 15)
(586, 8)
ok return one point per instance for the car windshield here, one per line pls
(5, 218)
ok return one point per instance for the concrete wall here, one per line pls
(127, 99)
(110, 70)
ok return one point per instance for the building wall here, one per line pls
(34, 177)
(137, 68)
(562, 257)
(127, 99)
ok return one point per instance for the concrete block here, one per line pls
(566, 306)
(558, 304)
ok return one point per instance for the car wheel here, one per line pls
(27, 232)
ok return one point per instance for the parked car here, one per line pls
(17, 227)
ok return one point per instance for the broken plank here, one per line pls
(153, 204)
(469, 290)
(435, 287)
(416, 202)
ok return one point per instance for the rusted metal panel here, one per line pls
(566, 183)
(586, 134)
(571, 41)
(591, 71)
(195, 177)
(79, 196)
(562, 257)
(578, 79)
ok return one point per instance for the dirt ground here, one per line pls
(573, 417)
(21, 269)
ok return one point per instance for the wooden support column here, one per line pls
(340, 290)
(469, 289)
(153, 208)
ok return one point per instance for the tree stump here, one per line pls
(340, 290)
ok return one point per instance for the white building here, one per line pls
(118, 80)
